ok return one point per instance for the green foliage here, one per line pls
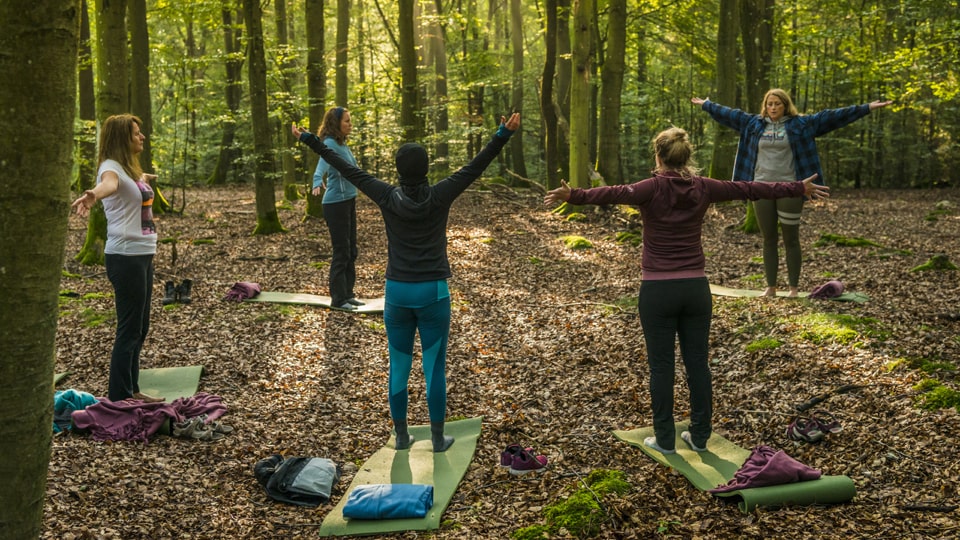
(763, 344)
(64, 273)
(576, 216)
(93, 318)
(634, 238)
(487, 241)
(937, 262)
(576, 242)
(934, 395)
(203, 241)
(838, 328)
(941, 209)
(580, 514)
(844, 241)
(754, 278)
(320, 265)
(534, 260)
(923, 364)
(96, 296)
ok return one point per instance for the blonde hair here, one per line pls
(789, 109)
(116, 136)
(675, 152)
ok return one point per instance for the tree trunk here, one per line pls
(316, 95)
(112, 98)
(288, 67)
(564, 78)
(438, 48)
(343, 48)
(516, 36)
(580, 95)
(33, 230)
(409, 98)
(140, 104)
(548, 107)
(724, 139)
(611, 86)
(268, 222)
(233, 91)
(87, 138)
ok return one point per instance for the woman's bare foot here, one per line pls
(148, 399)
(794, 292)
(770, 291)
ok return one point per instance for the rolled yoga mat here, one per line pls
(416, 465)
(720, 462)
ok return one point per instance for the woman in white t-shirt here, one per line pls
(131, 244)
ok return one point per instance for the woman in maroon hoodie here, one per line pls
(675, 296)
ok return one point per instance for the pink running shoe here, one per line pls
(527, 461)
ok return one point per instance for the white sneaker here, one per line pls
(689, 440)
(651, 442)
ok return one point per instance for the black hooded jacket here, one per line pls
(414, 213)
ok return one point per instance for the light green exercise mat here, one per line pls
(720, 290)
(171, 383)
(722, 460)
(370, 305)
(57, 377)
(417, 465)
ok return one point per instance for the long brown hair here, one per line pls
(330, 127)
(116, 136)
(675, 151)
(789, 109)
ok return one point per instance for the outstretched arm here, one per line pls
(451, 187)
(372, 187)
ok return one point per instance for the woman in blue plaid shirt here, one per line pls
(779, 145)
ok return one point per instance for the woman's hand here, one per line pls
(878, 104)
(557, 196)
(317, 191)
(85, 202)
(698, 101)
(513, 123)
(814, 191)
(296, 131)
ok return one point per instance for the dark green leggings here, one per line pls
(671, 309)
(787, 213)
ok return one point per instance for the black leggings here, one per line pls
(670, 309)
(132, 279)
(341, 220)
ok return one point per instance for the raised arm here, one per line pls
(371, 186)
(451, 187)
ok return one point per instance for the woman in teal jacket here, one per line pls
(339, 209)
(779, 145)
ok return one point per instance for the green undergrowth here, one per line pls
(941, 209)
(576, 216)
(576, 242)
(932, 393)
(634, 238)
(827, 239)
(763, 344)
(581, 514)
(838, 328)
(937, 262)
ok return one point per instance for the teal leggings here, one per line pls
(412, 307)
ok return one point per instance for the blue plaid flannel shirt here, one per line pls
(801, 132)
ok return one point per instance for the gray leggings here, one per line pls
(787, 212)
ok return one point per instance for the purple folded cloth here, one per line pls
(242, 290)
(768, 466)
(830, 289)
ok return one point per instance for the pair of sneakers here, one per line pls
(651, 442)
(351, 304)
(813, 428)
(521, 460)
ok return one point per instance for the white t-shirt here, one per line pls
(129, 211)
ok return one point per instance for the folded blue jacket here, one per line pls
(389, 501)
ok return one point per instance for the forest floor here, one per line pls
(545, 345)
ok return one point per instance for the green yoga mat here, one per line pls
(371, 305)
(171, 383)
(721, 461)
(57, 377)
(417, 465)
(720, 290)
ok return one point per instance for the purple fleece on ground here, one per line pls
(135, 420)
(830, 289)
(242, 290)
(768, 466)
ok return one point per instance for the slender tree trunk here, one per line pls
(611, 87)
(548, 107)
(725, 140)
(233, 91)
(87, 138)
(288, 66)
(316, 95)
(33, 230)
(438, 45)
(112, 98)
(409, 98)
(564, 81)
(343, 50)
(580, 95)
(516, 36)
(268, 222)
